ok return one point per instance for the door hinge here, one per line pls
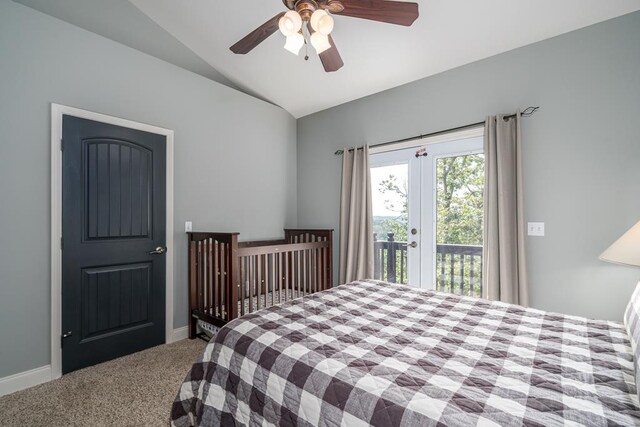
(61, 144)
(61, 244)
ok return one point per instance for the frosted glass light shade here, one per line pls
(320, 42)
(322, 22)
(290, 23)
(625, 250)
(294, 42)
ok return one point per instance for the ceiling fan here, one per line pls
(315, 15)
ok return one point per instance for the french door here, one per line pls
(427, 207)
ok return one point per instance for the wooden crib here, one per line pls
(228, 278)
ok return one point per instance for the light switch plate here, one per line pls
(188, 226)
(536, 229)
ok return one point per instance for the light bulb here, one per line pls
(322, 22)
(286, 26)
(320, 42)
(294, 42)
(290, 23)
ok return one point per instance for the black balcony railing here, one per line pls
(458, 267)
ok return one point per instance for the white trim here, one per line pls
(25, 379)
(444, 137)
(180, 334)
(57, 111)
(33, 377)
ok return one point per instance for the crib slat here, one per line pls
(221, 289)
(208, 285)
(305, 272)
(322, 273)
(225, 282)
(310, 260)
(222, 293)
(215, 281)
(316, 276)
(242, 284)
(223, 260)
(298, 281)
(272, 285)
(265, 280)
(288, 268)
(280, 276)
(316, 257)
(250, 260)
(310, 272)
(259, 281)
(319, 267)
(211, 261)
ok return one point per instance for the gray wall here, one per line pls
(581, 151)
(235, 157)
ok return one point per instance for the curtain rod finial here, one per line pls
(339, 152)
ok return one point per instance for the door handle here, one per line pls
(413, 244)
(159, 250)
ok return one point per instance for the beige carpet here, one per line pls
(135, 390)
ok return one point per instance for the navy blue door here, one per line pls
(113, 220)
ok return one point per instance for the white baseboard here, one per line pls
(25, 379)
(180, 334)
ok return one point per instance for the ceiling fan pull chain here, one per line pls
(306, 46)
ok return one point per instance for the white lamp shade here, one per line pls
(290, 23)
(294, 42)
(320, 42)
(625, 250)
(322, 22)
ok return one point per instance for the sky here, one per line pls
(378, 200)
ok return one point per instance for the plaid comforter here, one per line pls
(374, 353)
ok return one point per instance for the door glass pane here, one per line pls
(459, 224)
(389, 187)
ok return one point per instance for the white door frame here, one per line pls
(57, 113)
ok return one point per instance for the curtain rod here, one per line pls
(527, 112)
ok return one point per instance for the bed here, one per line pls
(376, 353)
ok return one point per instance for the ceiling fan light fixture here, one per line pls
(290, 23)
(322, 22)
(294, 42)
(320, 42)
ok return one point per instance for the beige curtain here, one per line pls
(356, 217)
(504, 269)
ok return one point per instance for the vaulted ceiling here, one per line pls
(197, 34)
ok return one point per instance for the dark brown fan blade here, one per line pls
(257, 36)
(391, 12)
(331, 59)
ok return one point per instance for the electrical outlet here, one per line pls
(536, 229)
(188, 226)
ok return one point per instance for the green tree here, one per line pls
(397, 226)
(459, 210)
(459, 202)
(459, 199)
